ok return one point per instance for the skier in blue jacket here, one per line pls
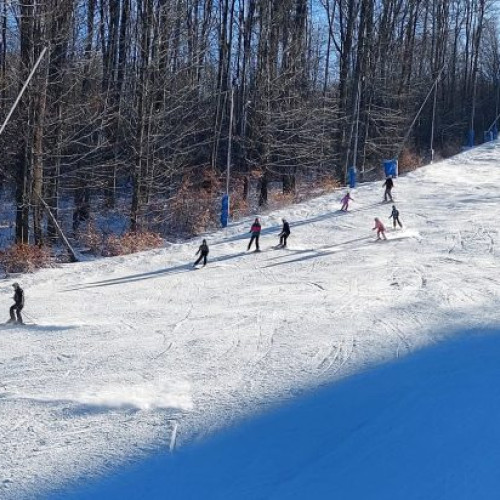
(395, 217)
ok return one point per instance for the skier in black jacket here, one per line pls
(203, 251)
(16, 309)
(285, 233)
(389, 184)
(395, 216)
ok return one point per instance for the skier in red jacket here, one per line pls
(255, 230)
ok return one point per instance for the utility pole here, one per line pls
(433, 119)
(410, 128)
(350, 171)
(494, 127)
(224, 216)
(230, 141)
(356, 130)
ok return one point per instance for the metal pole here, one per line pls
(497, 114)
(355, 147)
(498, 94)
(230, 141)
(418, 114)
(26, 83)
(71, 251)
(433, 119)
(351, 136)
(493, 124)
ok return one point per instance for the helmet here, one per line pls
(15, 285)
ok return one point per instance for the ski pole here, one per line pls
(29, 316)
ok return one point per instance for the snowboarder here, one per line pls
(395, 217)
(389, 184)
(380, 228)
(285, 233)
(203, 251)
(345, 201)
(255, 230)
(16, 309)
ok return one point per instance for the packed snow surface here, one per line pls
(137, 354)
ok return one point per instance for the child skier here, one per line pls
(345, 201)
(380, 228)
(389, 184)
(395, 217)
(16, 309)
(255, 230)
(285, 233)
(203, 251)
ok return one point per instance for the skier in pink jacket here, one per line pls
(345, 201)
(380, 228)
(255, 230)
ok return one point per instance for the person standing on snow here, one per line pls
(380, 228)
(16, 309)
(345, 201)
(389, 184)
(395, 217)
(255, 230)
(285, 233)
(203, 251)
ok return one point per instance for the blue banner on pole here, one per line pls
(470, 139)
(352, 177)
(391, 168)
(224, 214)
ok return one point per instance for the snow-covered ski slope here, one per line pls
(131, 354)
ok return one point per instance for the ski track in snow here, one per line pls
(135, 354)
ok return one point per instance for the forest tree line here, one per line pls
(131, 106)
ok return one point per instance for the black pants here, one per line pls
(255, 237)
(396, 220)
(202, 256)
(283, 238)
(17, 309)
(388, 194)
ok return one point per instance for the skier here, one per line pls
(285, 233)
(345, 201)
(395, 217)
(389, 184)
(16, 309)
(255, 230)
(380, 228)
(203, 251)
